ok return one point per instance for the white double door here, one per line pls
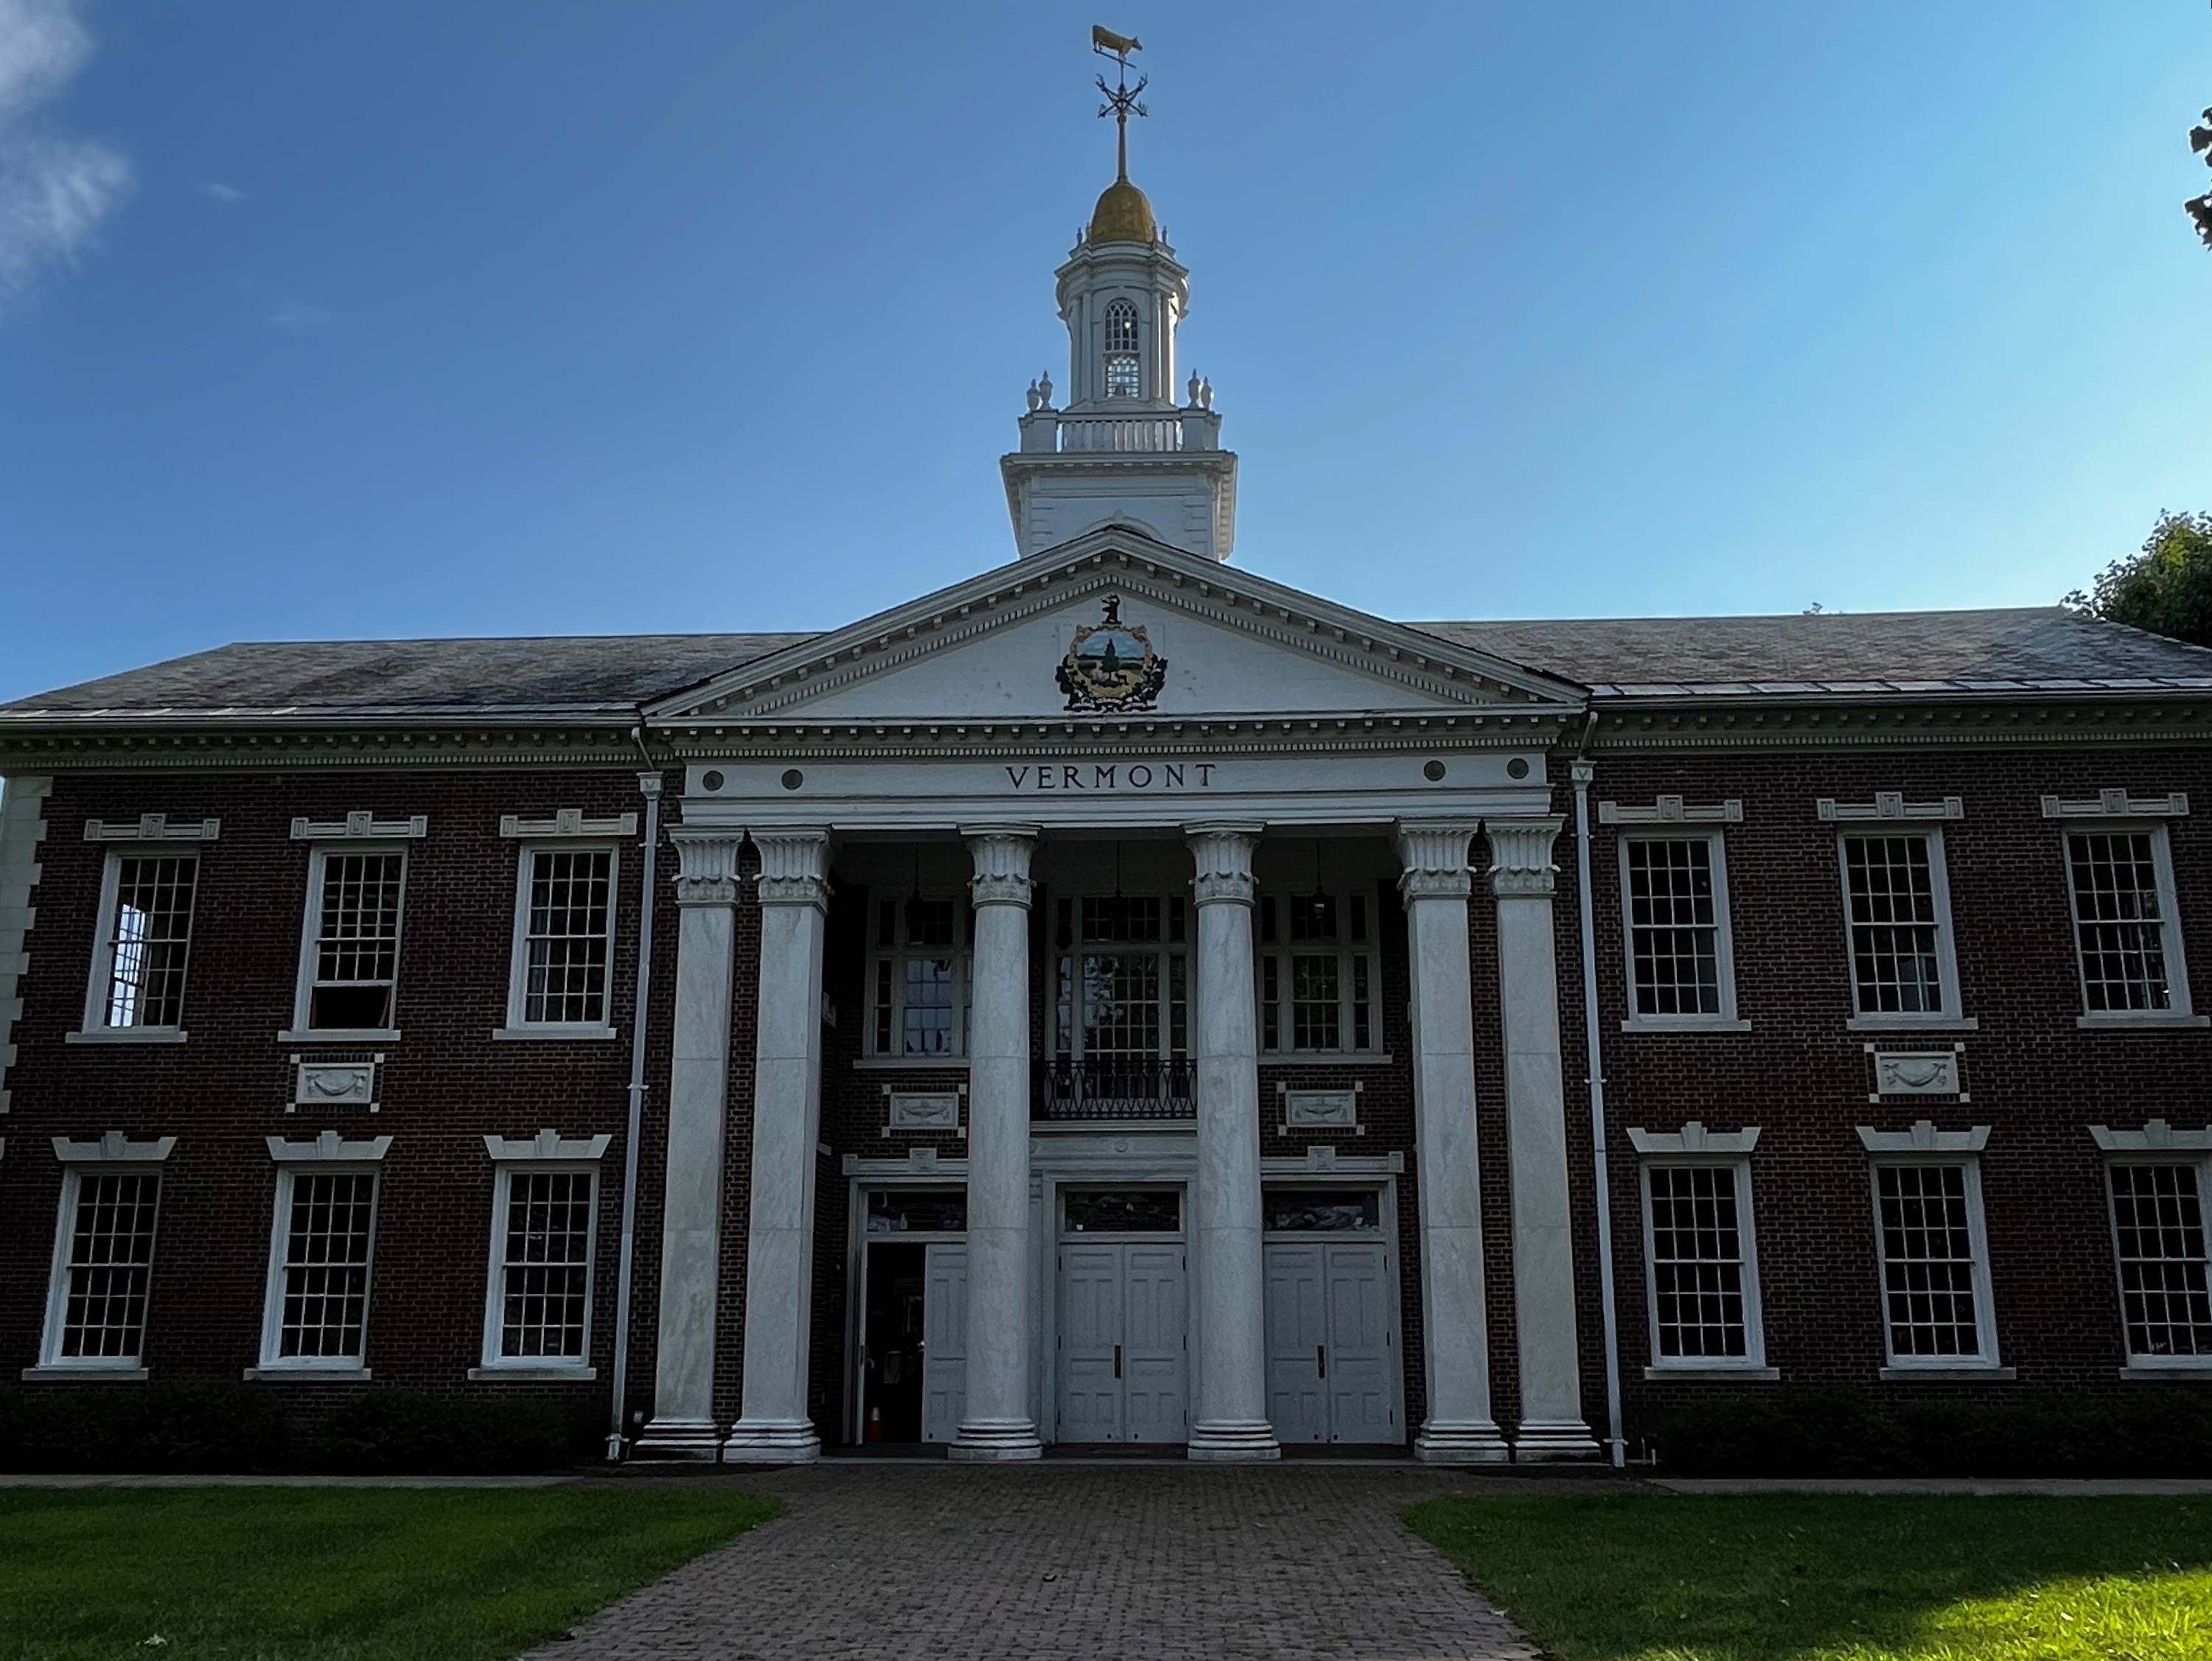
(1124, 1359)
(1332, 1342)
(944, 1342)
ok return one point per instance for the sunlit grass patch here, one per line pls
(1840, 1578)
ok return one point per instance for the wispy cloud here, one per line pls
(298, 318)
(54, 190)
(219, 190)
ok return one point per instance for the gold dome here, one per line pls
(1123, 215)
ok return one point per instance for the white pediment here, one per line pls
(1228, 645)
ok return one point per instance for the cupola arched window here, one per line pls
(1124, 378)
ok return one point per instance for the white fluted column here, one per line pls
(1231, 1418)
(683, 1423)
(996, 1424)
(1521, 876)
(794, 900)
(1458, 1428)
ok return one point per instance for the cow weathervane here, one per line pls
(1121, 97)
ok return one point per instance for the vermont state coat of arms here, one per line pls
(1110, 666)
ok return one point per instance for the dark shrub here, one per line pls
(401, 1432)
(196, 1429)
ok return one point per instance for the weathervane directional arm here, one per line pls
(1122, 98)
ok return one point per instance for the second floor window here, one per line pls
(1123, 978)
(2125, 935)
(352, 969)
(920, 987)
(1674, 890)
(1317, 972)
(564, 928)
(139, 973)
(1898, 910)
(1124, 373)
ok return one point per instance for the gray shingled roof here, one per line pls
(2047, 648)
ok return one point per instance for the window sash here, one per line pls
(564, 935)
(2127, 935)
(1674, 920)
(350, 954)
(1897, 921)
(103, 1268)
(1934, 1258)
(1701, 1261)
(545, 1229)
(2158, 1249)
(322, 1260)
(144, 943)
(920, 989)
(1121, 978)
(1316, 975)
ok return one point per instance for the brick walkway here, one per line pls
(1067, 1563)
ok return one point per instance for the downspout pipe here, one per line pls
(1581, 772)
(648, 787)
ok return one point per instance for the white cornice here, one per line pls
(2118, 804)
(152, 827)
(1694, 1139)
(547, 1144)
(1924, 1138)
(328, 1145)
(114, 1146)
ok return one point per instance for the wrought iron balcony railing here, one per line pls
(1109, 1088)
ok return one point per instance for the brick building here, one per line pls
(1119, 998)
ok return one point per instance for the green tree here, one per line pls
(2166, 588)
(2200, 208)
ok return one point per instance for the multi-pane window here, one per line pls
(353, 952)
(139, 973)
(565, 928)
(1934, 1277)
(920, 989)
(2158, 1230)
(1317, 972)
(1124, 374)
(1704, 1276)
(2123, 923)
(1896, 908)
(319, 1297)
(1123, 978)
(98, 1313)
(541, 1267)
(1675, 902)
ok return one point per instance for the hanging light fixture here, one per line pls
(914, 915)
(1320, 906)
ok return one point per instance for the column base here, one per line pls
(769, 1442)
(997, 1442)
(678, 1438)
(1554, 1439)
(1247, 1442)
(1476, 1444)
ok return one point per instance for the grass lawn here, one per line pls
(1658, 1578)
(334, 1574)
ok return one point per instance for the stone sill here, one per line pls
(127, 1035)
(1711, 1372)
(84, 1374)
(336, 1374)
(1913, 1024)
(2140, 1023)
(1324, 1058)
(533, 1374)
(1684, 1024)
(341, 1035)
(580, 1034)
(2195, 1366)
(908, 1065)
(1949, 1374)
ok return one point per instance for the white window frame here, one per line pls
(2177, 962)
(1752, 1362)
(518, 979)
(1953, 1014)
(1987, 1362)
(547, 1155)
(1283, 948)
(99, 983)
(961, 952)
(311, 924)
(111, 1154)
(2156, 1144)
(1165, 949)
(1724, 941)
(327, 1155)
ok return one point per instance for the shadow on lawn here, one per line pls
(1792, 1577)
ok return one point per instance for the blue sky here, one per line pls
(540, 317)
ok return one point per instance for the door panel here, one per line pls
(1298, 1326)
(1152, 1381)
(1362, 1360)
(944, 1343)
(1090, 1315)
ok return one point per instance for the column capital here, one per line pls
(1222, 851)
(708, 873)
(1001, 853)
(794, 867)
(1521, 855)
(1434, 854)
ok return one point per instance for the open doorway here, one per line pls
(892, 1348)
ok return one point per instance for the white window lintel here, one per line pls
(2155, 1136)
(568, 821)
(1672, 810)
(1924, 1138)
(1694, 1138)
(329, 1145)
(1890, 804)
(114, 1146)
(359, 825)
(152, 827)
(2118, 804)
(547, 1144)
